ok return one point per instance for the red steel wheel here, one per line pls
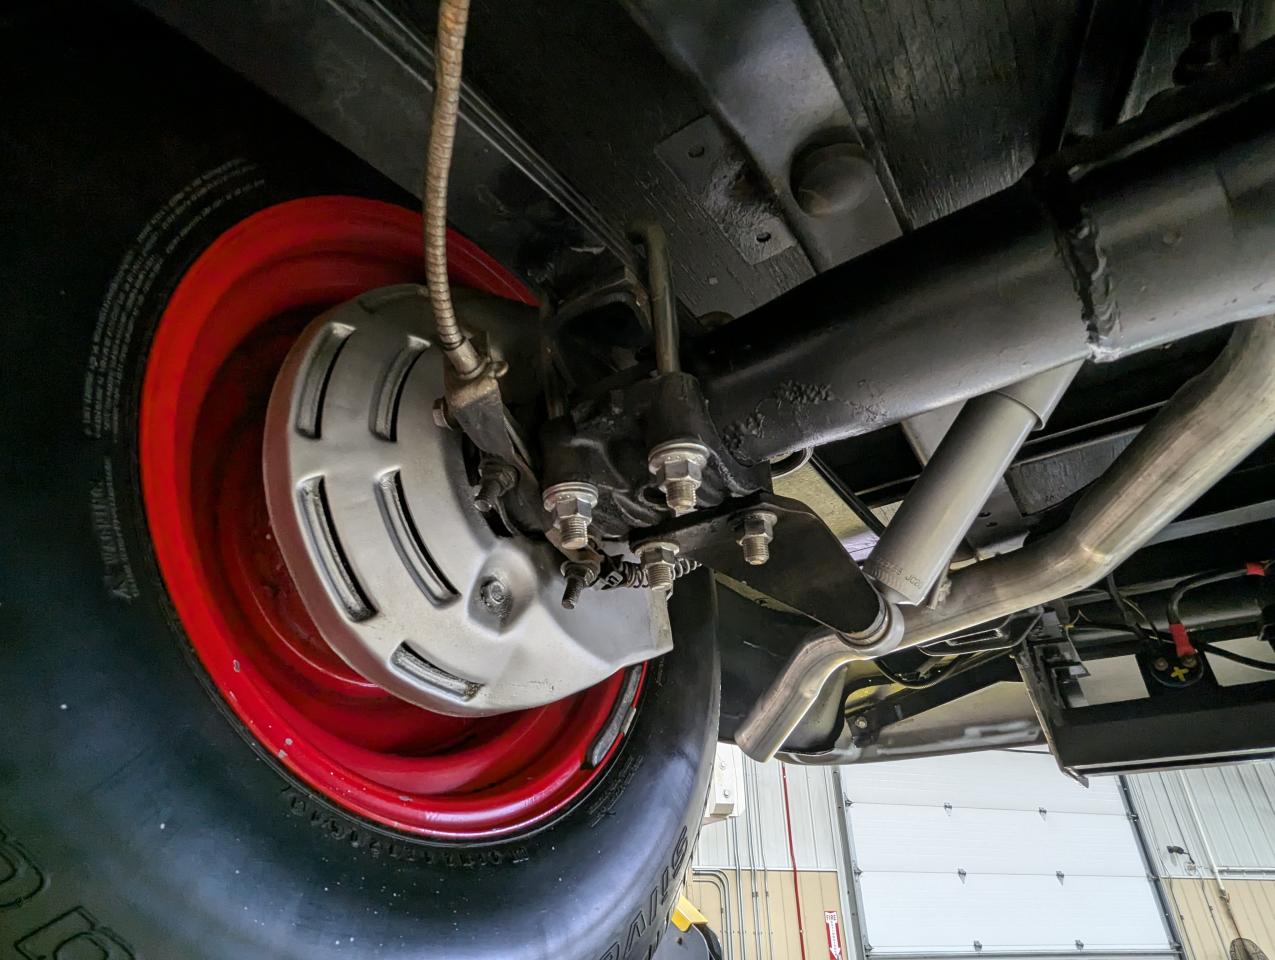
(220, 341)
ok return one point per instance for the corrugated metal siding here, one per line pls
(1236, 805)
(1208, 927)
(758, 839)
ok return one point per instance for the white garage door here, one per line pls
(998, 853)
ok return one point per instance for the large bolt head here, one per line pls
(494, 596)
(755, 533)
(659, 562)
(833, 179)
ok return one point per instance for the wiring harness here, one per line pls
(1140, 625)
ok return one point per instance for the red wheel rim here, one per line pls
(219, 343)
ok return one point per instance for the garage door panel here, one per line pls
(935, 840)
(997, 780)
(918, 913)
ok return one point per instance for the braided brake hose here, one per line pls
(452, 18)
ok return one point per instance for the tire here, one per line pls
(714, 943)
(138, 818)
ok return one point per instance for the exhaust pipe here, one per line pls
(1159, 228)
(1209, 426)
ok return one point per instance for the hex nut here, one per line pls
(659, 563)
(756, 530)
(571, 505)
(578, 576)
(494, 596)
(678, 468)
(495, 480)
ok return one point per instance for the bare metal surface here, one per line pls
(402, 575)
(778, 711)
(1000, 525)
(953, 488)
(1207, 428)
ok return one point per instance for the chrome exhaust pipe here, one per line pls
(1207, 427)
(1211, 424)
(777, 712)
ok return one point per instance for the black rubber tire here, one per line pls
(135, 816)
(714, 943)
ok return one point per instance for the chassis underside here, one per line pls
(878, 222)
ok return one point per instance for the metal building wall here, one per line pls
(759, 837)
(997, 847)
(774, 933)
(1211, 834)
(1208, 925)
(1228, 810)
(745, 862)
